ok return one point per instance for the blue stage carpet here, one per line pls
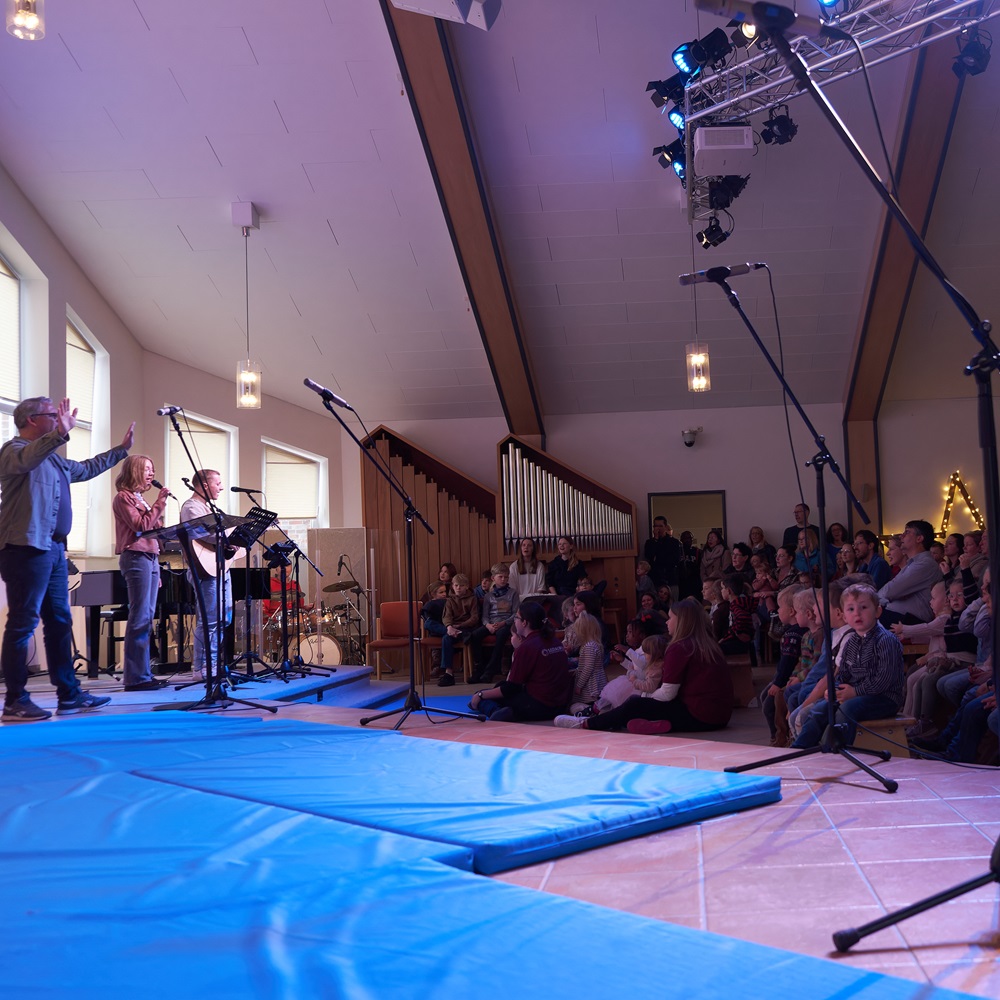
(118, 883)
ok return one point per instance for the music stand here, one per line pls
(247, 535)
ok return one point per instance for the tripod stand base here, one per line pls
(831, 744)
(215, 697)
(414, 704)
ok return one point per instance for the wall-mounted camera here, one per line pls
(690, 436)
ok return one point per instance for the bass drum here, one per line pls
(321, 650)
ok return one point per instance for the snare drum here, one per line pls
(321, 622)
(321, 649)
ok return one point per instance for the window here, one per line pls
(10, 349)
(294, 485)
(211, 446)
(81, 365)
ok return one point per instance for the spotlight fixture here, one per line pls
(672, 156)
(676, 117)
(667, 91)
(973, 53)
(828, 3)
(723, 191)
(779, 128)
(713, 234)
(26, 19)
(692, 57)
(745, 34)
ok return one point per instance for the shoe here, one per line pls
(934, 743)
(198, 675)
(569, 722)
(24, 710)
(83, 702)
(151, 685)
(648, 727)
(446, 681)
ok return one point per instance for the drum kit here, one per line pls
(329, 635)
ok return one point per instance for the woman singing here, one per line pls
(137, 560)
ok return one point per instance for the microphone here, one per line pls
(187, 483)
(772, 18)
(159, 486)
(717, 273)
(168, 411)
(325, 394)
(242, 489)
(340, 565)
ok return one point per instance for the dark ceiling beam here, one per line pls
(424, 57)
(932, 106)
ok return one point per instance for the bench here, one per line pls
(741, 671)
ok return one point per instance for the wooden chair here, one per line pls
(392, 631)
(431, 642)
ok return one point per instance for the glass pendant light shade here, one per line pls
(698, 375)
(248, 385)
(26, 19)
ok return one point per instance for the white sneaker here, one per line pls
(569, 721)
(198, 675)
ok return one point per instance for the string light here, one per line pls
(956, 485)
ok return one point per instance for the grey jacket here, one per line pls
(31, 486)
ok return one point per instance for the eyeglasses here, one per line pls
(52, 415)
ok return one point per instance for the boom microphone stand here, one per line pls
(410, 512)
(774, 21)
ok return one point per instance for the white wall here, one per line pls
(921, 443)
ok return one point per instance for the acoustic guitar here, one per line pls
(204, 552)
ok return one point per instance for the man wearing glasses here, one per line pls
(35, 520)
(906, 598)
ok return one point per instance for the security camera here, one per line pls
(689, 436)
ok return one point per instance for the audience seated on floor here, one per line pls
(589, 678)
(718, 609)
(642, 673)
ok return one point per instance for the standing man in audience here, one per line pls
(906, 598)
(663, 553)
(36, 515)
(870, 561)
(791, 536)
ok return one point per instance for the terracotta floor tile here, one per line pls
(916, 843)
(670, 896)
(902, 883)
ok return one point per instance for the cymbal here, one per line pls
(345, 585)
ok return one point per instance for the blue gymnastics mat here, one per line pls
(115, 884)
(510, 807)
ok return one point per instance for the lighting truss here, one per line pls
(759, 80)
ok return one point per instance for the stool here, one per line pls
(112, 615)
(883, 730)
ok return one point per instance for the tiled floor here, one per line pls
(837, 852)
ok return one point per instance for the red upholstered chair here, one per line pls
(392, 631)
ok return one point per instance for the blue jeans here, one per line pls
(142, 577)
(864, 706)
(210, 591)
(37, 587)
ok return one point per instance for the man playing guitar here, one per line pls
(207, 485)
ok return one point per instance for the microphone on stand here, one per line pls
(717, 273)
(242, 489)
(159, 486)
(326, 394)
(340, 565)
(187, 483)
(168, 411)
(773, 17)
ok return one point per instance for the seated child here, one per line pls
(643, 675)
(738, 637)
(643, 581)
(460, 618)
(871, 680)
(718, 609)
(589, 678)
(773, 702)
(500, 604)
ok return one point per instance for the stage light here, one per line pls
(745, 34)
(691, 57)
(779, 128)
(676, 117)
(669, 156)
(667, 91)
(699, 377)
(713, 234)
(828, 3)
(26, 19)
(723, 191)
(973, 54)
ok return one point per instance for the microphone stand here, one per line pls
(410, 513)
(982, 366)
(834, 737)
(215, 682)
(250, 655)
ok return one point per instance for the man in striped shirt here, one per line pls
(871, 679)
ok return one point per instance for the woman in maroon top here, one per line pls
(137, 559)
(539, 684)
(696, 694)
